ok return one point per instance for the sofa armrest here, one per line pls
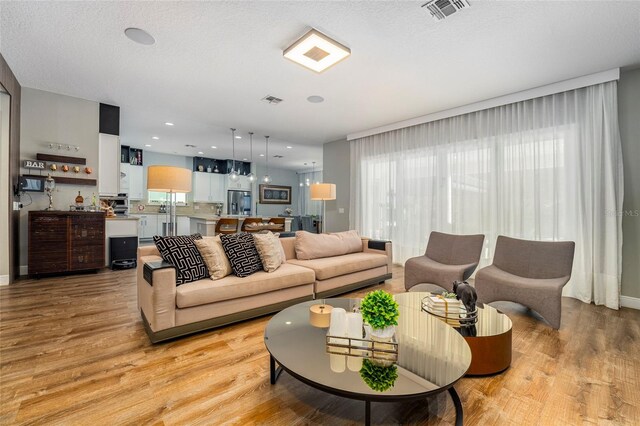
(379, 247)
(157, 291)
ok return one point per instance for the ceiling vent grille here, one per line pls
(440, 9)
(278, 156)
(272, 99)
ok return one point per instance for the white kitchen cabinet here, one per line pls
(217, 188)
(136, 185)
(184, 225)
(201, 187)
(208, 187)
(147, 226)
(108, 164)
(124, 178)
(242, 184)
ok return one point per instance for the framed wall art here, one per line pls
(275, 194)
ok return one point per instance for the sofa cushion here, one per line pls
(270, 251)
(330, 267)
(242, 254)
(213, 255)
(232, 287)
(181, 252)
(315, 246)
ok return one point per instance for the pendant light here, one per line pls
(233, 175)
(267, 178)
(251, 176)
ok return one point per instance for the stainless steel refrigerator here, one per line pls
(239, 202)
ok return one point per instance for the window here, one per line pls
(163, 198)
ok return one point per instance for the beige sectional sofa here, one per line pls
(170, 311)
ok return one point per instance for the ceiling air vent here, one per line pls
(441, 9)
(190, 146)
(278, 156)
(272, 99)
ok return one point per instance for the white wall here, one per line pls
(629, 120)
(278, 177)
(336, 160)
(49, 117)
(5, 104)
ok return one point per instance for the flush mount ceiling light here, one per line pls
(147, 145)
(315, 99)
(316, 51)
(168, 124)
(139, 36)
(155, 138)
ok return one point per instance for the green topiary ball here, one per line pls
(378, 377)
(379, 309)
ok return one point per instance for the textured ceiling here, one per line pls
(213, 62)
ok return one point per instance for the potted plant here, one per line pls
(380, 310)
(378, 377)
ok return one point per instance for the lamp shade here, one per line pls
(168, 179)
(323, 191)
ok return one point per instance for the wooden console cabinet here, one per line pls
(65, 241)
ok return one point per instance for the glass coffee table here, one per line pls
(432, 357)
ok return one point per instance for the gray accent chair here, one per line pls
(531, 273)
(448, 258)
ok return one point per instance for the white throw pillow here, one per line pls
(212, 253)
(270, 251)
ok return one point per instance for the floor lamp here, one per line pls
(172, 180)
(323, 192)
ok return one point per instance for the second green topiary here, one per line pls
(379, 309)
(378, 377)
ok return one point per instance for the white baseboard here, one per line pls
(24, 270)
(630, 302)
(4, 279)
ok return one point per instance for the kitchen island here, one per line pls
(206, 224)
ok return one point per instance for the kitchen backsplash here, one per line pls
(203, 208)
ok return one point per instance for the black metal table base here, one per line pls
(275, 372)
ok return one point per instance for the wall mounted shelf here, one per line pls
(69, 180)
(61, 159)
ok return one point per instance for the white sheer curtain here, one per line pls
(548, 169)
(307, 206)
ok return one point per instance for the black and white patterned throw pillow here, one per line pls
(182, 253)
(242, 253)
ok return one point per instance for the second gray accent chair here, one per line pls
(531, 273)
(448, 258)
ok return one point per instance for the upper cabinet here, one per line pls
(208, 187)
(108, 164)
(136, 187)
(242, 184)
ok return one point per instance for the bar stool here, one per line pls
(226, 225)
(247, 224)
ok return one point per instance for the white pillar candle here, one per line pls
(354, 325)
(338, 326)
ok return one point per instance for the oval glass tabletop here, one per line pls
(431, 355)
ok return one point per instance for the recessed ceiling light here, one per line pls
(214, 147)
(139, 36)
(155, 138)
(261, 155)
(289, 147)
(316, 51)
(238, 137)
(244, 159)
(200, 153)
(315, 99)
(168, 124)
(147, 145)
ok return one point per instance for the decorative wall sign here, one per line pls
(34, 164)
(275, 194)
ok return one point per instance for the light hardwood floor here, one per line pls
(73, 351)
